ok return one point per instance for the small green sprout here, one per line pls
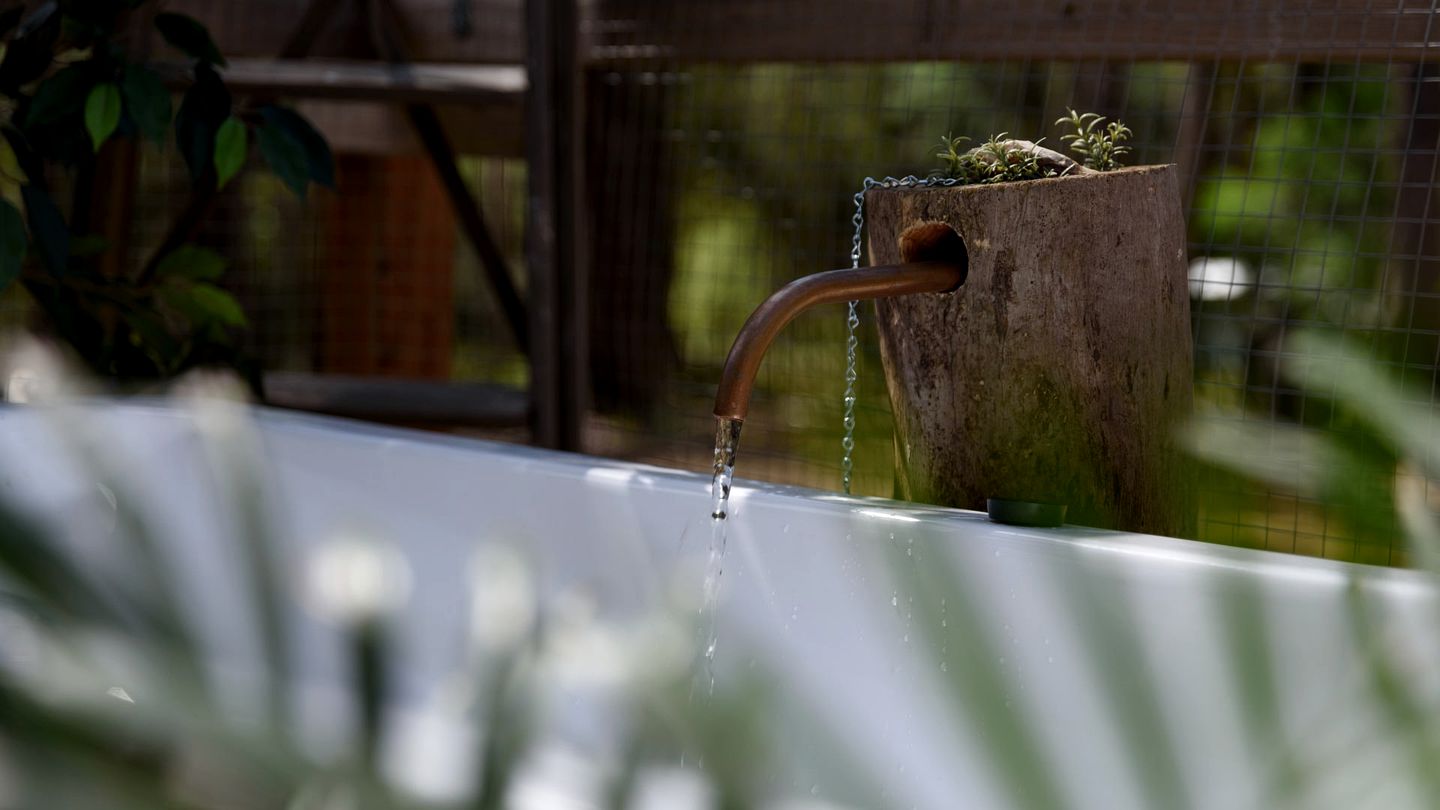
(958, 161)
(998, 160)
(1099, 148)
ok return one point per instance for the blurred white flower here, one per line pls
(556, 777)
(1220, 278)
(502, 598)
(430, 755)
(356, 578)
(671, 789)
(36, 372)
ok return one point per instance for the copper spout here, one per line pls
(732, 401)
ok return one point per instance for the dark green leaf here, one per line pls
(148, 102)
(221, 306)
(12, 244)
(59, 96)
(148, 333)
(231, 144)
(48, 228)
(9, 18)
(28, 55)
(102, 113)
(202, 304)
(188, 36)
(318, 158)
(192, 262)
(87, 22)
(204, 108)
(286, 157)
(29, 162)
(90, 244)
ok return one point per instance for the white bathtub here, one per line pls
(895, 658)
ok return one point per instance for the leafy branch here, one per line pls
(1001, 159)
(1099, 147)
(68, 89)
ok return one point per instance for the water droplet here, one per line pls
(815, 790)
(895, 600)
(1049, 659)
(944, 667)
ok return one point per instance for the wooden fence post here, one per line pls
(554, 237)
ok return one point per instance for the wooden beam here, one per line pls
(622, 32)
(741, 31)
(402, 401)
(555, 237)
(383, 20)
(253, 27)
(370, 128)
(487, 85)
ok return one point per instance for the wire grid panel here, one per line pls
(724, 141)
(1305, 135)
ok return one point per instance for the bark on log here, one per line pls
(1060, 370)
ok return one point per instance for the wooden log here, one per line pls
(1060, 370)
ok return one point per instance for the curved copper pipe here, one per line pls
(732, 401)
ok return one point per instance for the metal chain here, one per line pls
(852, 320)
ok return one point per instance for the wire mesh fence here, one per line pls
(724, 140)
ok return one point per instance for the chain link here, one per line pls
(852, 320)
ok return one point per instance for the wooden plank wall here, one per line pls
(387, 271)
(976, 30)
(617, 32)
(257, 27)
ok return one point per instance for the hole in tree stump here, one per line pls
(934, 242)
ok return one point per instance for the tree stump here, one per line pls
(1061, 369)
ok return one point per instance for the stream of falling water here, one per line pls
(727, 441)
